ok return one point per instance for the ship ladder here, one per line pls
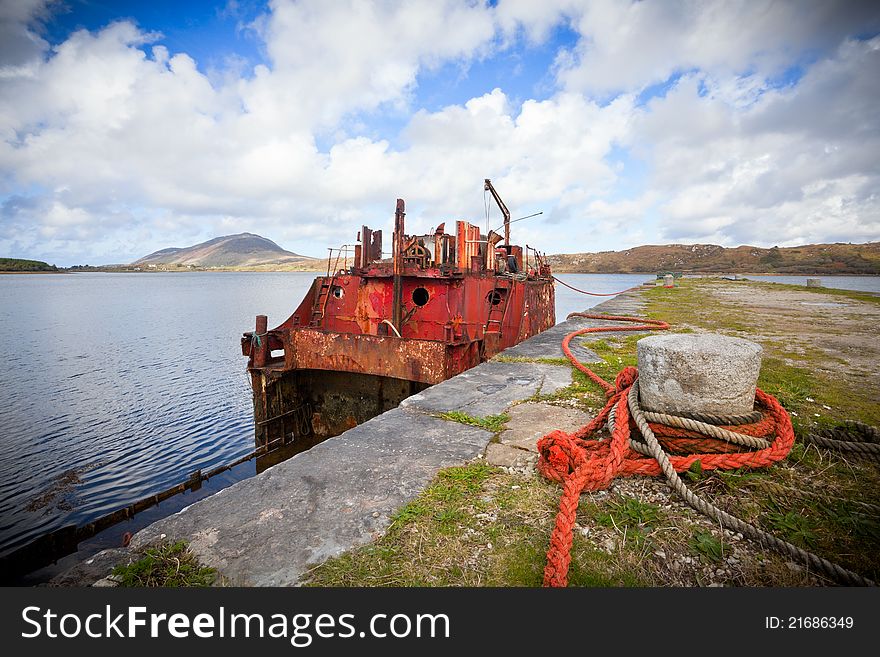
(321, 301)
(497, 311)
(320, 306)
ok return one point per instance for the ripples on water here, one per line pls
(118, 386)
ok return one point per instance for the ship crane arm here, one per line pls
(489, 188)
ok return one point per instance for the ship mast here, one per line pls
(397, 260)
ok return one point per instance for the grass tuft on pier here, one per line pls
(165, 565)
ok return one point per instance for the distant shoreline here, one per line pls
(97, 270)
(254, 253)
(716, 273)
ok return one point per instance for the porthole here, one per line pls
(338, 292)
(420, 296)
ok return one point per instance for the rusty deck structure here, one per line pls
(368, 335)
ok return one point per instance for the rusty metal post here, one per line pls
(461, 237)
(397, 292)
(261, 341)
(377, 246)
(289, 350)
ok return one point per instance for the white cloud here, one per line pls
(535, 19)
(329, 58)
(113, 146)
(20, 43)
(540, 156)
(798, 165)
(631, 45)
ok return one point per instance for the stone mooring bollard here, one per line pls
(814, 282)
(698, 373)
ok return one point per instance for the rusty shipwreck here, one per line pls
(371, 332)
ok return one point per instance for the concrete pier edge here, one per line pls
(270, 529)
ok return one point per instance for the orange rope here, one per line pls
(580, 464)
(644, 325)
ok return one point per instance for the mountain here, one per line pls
(244, 250)
(836, 258)
(249, 251)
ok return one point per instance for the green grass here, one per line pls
(481, 526)
(628, 512)
(794, 528)
(817, 499)
(476, 525)
(582, 393)
(855, 295)
(634, 518)
(789, 375)
(587, 394)
(816, 398)
(705, 544)
(493, 423)
(165, 565)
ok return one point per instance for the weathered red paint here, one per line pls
(437, 292)
(413, 360)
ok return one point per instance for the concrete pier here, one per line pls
(269, 530)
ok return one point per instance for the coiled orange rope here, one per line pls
(580, 464)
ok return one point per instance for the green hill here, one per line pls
(16, 264)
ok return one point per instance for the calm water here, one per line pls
(860, 283)
(569, 301)
(117, 386)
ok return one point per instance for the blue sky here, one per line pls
(129, 127)
(208, 31)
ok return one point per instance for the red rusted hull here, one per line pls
(341, 357)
